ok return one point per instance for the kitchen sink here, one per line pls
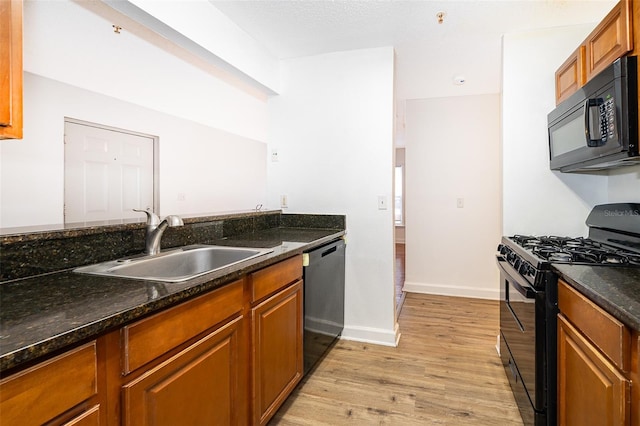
(174, 265)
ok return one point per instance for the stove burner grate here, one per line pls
(576, 250)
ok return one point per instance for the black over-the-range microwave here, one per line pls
(597, 127)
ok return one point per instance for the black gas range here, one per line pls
(529, 302)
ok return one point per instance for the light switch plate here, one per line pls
(382, 202)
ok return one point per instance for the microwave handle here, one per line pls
(591, 106)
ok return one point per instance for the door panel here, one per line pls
(107, 173)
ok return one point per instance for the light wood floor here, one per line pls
(445, 371)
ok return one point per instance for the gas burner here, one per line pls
(615, 259)
(634, 259)
(575, 250)
(560, 257)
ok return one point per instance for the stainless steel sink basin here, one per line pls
(174, 265)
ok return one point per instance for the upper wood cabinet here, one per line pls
(571, 75)
(10, 69)
(611, 39)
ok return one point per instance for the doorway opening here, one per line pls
(399, 221)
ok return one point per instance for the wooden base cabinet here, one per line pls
(594, 363)
(229, 357)
(277, 335)
(591, 390)
(277, 342)
(201, 385)
(62, 390)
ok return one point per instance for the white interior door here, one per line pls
(108, 173)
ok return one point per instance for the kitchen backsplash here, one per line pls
(29, 254)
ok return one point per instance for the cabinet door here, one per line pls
(10, 69)
(91, 417)
(611, 39)
(571, 75)
(202, 385)
(635, 378)
(591, 390)
(277, 350)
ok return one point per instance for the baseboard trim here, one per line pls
(451, 290)
(376, 336)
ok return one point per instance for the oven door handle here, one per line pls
(525, 291)
(506, 267)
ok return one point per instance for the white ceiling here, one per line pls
(467, 43)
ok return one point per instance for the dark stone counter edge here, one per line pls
(615, 310)
(18, 359)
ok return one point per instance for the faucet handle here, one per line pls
(173, 220)
(152, 218)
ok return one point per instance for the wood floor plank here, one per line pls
(445, 371)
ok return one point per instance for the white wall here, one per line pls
(624, 185)
(537, 200)
(212, 135)
(65, 42)
(215, 170)
(453, 151)
(202, 26)
(332, 127)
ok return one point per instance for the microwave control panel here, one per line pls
(607, 119)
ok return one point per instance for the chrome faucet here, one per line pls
(155, 229)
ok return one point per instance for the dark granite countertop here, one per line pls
(42, 314)
(615, 289)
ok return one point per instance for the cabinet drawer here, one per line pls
(271, 279)
(604, 331)
(152, 337)
(40, 393)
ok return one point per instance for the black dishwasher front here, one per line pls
(323, 300)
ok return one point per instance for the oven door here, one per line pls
(522, 328)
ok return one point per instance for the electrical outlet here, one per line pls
(283, 201)
(460, 203)
(274, 155)
(181, 196)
